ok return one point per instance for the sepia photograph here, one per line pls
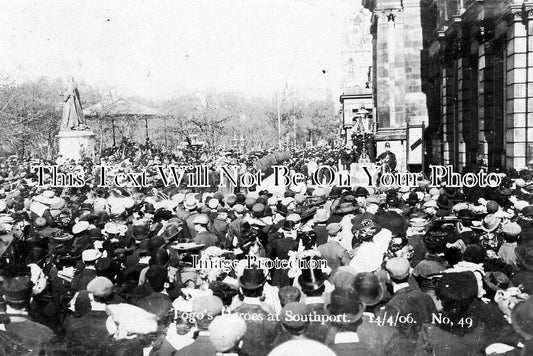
(266, 177)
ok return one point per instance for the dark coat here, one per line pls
(31, 334)
(156, 303)
(352, 349)
(88, 335)
(335, 255)
(316, 330)
(381, 339)
(81, 280)
(220, 228)
(439, 342)
(200, 347)
(321, 234)
(206, 238)
(410, 301)
(280, 248)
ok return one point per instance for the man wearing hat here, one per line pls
(280, 248)
(406, 300)
(489, 239)
(382, 339)
(221, 227)
(510, 233)
(312, 282)
(158, 302)
(387, 159)
(262, 328)
(321, 217)
(191, 204)
(235, 226)
(204, 309)
(17, 323)
(347, 308)
(464, 225)
(361, 193)
(332, 251)
(456, 291)
(433, 263)
(202, 236)
(522, 321)
(294, 319)
(89, 331)
(88, 273)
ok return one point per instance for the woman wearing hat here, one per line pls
(461, 333)
(490, 238)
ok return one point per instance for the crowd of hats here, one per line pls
(481, 238)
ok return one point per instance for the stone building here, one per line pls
(462, 67)
(356, 88)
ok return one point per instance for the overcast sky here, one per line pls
(163, 48)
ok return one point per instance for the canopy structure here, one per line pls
(119, 108)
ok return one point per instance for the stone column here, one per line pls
(463, 108)
(448, 102)
(415, 99)
(517, 74)
(485, 93)
(528, 13)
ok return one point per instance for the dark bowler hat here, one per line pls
(465, 214)
(459, 286)
(361, 192)
(159, 257)
(140, 232)
(224, 291)
(103, 265)
(435, 238)
(252, 278)
(412, 198)
(392, 199)
(156, 242)
(367, 285)
(171, 231)
(392, 221)
(17, 289)
(443, 202)
(311, 279)
(346, 302)
(95, 233)
(36, 255)
(528, 211)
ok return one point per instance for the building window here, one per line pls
(351, 68)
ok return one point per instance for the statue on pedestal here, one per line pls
(76, 140)
(73, 118)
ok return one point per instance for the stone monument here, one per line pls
(76, 140)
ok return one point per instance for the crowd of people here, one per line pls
(431, 270)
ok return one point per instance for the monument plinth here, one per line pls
(76, 144)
